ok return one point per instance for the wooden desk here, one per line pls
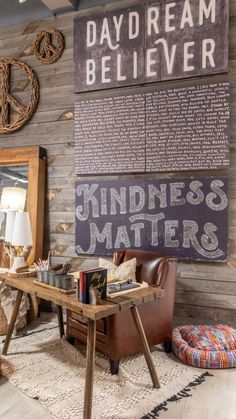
(90, 313)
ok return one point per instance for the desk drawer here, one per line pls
(101, 325)
(79, 331)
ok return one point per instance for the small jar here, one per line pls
(45, 277)
(58, 282)
(51, 278)
(40, 276)
(67, 282)
(94, 296)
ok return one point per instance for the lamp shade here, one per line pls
(13, 198)
(22, 234)
(10, 222)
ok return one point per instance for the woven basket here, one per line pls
(3, 322)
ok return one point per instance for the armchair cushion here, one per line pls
(123, 272)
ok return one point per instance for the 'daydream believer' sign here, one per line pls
(149, 42)
(186, 218)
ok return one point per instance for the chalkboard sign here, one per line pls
(110, 135)
(149, 42)
(187, 218)
(105, 46)
(187, 128)
(184, 127)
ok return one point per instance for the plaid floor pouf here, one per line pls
(205, 346)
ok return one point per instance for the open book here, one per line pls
(119, 288)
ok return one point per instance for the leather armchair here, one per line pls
(116, 335)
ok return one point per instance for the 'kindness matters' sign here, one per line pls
(187, 218)
(157, 40)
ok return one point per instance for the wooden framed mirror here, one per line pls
(25, 166)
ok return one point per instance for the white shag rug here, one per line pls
(51, 370)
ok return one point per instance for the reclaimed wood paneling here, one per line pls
(186, 314)
(205, 291)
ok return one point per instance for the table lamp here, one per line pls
(10, 221)
(13, 199)
(22, 237)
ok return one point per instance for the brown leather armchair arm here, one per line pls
(152, 267)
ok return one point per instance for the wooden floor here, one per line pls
(16, 405)
(214, 399)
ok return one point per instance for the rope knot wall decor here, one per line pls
(48, 45)
(8, 102)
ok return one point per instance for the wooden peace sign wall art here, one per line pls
(48, 45)
(7, 101)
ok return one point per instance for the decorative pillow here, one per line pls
(123, 272)
(205, 346)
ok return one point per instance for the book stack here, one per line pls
(92, 279)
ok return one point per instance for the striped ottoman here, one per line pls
(205, 346)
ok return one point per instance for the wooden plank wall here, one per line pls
(205, 292)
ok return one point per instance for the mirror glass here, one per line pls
(24, 167)
(11, 177)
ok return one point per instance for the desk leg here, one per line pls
(146, 349)
(12, 322)
(90, 356)
(60, 321)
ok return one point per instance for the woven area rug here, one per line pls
(51, 370)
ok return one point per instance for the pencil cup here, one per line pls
(45, 277)
(58, 282)
(40, 276)
(67, 282)
(51, 278)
